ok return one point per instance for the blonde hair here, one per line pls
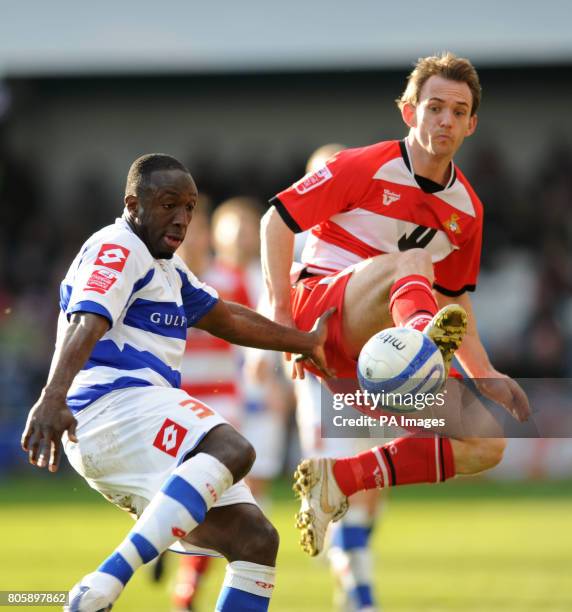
(321, 155)
(239, 205)
(446, 65)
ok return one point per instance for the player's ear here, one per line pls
(409, 115)
(473, 121)
(131, 204)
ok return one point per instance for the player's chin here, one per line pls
(163, 252)
(443, 147)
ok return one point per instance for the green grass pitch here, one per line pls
(470, 546)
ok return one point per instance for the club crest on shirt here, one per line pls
(452, 224)
(112, 256)
(311, 181)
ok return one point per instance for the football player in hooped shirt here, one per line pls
(112, 391)
(395, 239)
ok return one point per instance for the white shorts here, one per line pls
(131, 440)
(309, 397)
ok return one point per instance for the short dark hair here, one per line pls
(142, 167)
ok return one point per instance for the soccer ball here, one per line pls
(401, 365)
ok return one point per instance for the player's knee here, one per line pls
(416, 261)
(242, 457)
(259, 543)
(267, 538)
(493, 451)
(487, 453)
(230, 448)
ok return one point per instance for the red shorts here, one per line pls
(311, 297)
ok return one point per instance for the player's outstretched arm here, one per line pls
(472, 355)
(50, 415)
(241, 325)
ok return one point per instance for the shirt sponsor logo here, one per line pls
(101, 281)
(168, 320)
(389, 197)
(112, 256)
(170, 437)
(311, 181)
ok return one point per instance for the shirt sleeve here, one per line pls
(198, 297)
(319, 195)
(459, 271)
(105, 277)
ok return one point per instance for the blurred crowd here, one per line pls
(523, 301)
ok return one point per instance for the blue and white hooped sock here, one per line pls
(176, 510)
(247, 587)
(350, 557)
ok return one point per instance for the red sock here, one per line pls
(407, 460)
(191, 569)
(411, 302)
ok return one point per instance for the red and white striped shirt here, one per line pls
(367, 201)
(211, 368)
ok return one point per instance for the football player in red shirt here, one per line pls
(395, 240)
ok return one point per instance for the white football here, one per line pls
(400, 362)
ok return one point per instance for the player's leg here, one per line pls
(249, 542)
(349, 552)
(194, 568)
(269, 398)
(325, 484)
(165, 456)
(414, 460)
(221, 458)
(396, 289)
(189, 575)
(470, 441)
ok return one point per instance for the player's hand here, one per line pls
(317, 357)
(508, 393)
(47, 421)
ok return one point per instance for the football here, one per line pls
(402, 364)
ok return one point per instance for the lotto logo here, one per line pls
(178, 532)
(101, 281)
(112, 256)
(170, 437)
(311, 181)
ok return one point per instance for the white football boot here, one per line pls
(88, 596)
(447, 329)
(321, 502)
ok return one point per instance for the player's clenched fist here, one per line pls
(47, 421)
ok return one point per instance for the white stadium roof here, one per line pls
(111, 36)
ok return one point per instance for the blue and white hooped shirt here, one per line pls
(149, 304)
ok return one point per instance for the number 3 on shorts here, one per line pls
(200, 409)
